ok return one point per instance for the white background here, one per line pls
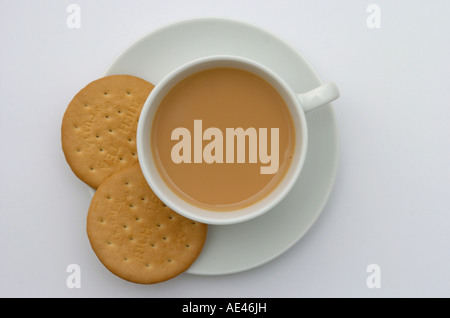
(391, 200)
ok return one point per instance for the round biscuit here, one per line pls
(136, 236)
(98, 132)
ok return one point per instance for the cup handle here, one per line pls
(319, 96)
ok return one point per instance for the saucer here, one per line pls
(239, 247)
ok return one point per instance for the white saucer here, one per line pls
(235, 248)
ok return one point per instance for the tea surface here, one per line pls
(222, 139)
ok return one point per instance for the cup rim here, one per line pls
(158, 185)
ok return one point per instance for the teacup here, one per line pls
(196, 166)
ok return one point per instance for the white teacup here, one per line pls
(297, 104)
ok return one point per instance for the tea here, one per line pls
(222, 139)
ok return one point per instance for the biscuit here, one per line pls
(98, 132)
(135, 235)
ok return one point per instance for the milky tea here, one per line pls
(222, 139)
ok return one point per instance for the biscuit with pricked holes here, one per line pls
(136, 236)
(98, 132)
